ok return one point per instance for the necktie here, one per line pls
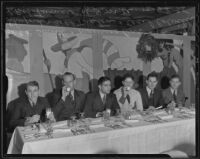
(104, 99)
(151, 94)
(151, 100)
(71, 98)
(32, 104)
(128, 98)
(122, 98)
(174, 96)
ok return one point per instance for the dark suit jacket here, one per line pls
(158, 99)
(23, 109)
(94, 104)
(63, 110)
(168, 96)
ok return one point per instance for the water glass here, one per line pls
(48, 112)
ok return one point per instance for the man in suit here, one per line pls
(30, 109)
(102, 100)
(174, 94)
(70, 102)
(151, 96)
(127, 97)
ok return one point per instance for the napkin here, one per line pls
(131, 121)
(60, 124)
(165, 116)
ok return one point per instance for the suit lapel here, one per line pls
(170, 93)
(76, 96)
(98, 98)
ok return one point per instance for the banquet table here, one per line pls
(138, 138)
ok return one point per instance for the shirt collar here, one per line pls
(148, 90)
(31, 102)
(101, 94)
(172, 90)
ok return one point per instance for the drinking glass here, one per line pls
(48, 112)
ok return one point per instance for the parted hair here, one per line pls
(69, 74)
(103, 79)
(32, 83)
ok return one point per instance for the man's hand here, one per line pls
(31, 120)
(99, 114)
(172, 104)
(151, 109)
(51, 117)
(35, 118)
(65, 92)
(117, 112)
(73, 117)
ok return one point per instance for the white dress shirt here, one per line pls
(102, 95)
(149, 91)
(172, 90)
(135, 100)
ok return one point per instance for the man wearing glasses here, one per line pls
(71, 101)
(128, 98)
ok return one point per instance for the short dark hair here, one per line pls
(153, 74)
(32, 83)
(175, 76)
(69, 74)
(103, 79)
(128, 75)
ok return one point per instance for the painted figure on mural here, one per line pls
(74, 61)
(15, 53)
(111, 56)
(172, 58)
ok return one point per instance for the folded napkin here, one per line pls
(60, 124)
(61, 130)
(131, 121)
(97, 126)
(160, 112)
(165, 116)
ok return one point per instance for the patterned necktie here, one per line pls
(128, 98)
(104, 99)
(71, 98)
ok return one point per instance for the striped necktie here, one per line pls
(174, 96)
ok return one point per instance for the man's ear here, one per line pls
(99, 86)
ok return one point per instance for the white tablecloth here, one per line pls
(142, 138)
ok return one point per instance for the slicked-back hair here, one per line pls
(128, 75)
(152, 75)
(103, 79)
(32, 83)
(175, 76)
(69, 74)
